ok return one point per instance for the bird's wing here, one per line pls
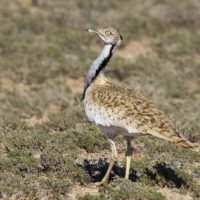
(115, 106)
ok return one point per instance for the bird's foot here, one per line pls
(101, 183)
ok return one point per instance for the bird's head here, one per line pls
(108, 35)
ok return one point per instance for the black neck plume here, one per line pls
(98, 65)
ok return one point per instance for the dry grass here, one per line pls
(48, 149)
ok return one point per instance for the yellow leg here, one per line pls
(129, 153)
(105, 179)
(128, 162)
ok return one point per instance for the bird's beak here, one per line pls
(96, 32)
(92, 31)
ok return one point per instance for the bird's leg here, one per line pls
(105, 179)
(129, 153)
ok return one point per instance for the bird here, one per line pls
(121, 111)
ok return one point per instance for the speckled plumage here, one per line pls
(118, 110)
(131, 112)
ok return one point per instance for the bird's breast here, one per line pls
(97, 114)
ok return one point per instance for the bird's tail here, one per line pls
(182, 142)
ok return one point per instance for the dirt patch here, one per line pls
(37, 120)
(7, 84)
(30, 5)
(135, 49)
(197, 58)
(75, 84)
(11, 86)
(174, 194)
(52, 109)
(93, 156)
(79, 191)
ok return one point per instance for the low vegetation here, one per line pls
(47, 147)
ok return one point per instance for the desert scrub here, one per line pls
(92, 197)
(36, 141)
(90, 139)
(11, 184)
(197, 171)
(42, 45)
(123, 189)
(137, 69)
(21, 164)
(178, 43)
(67, 119)
(166, 151)
(63, 167)
(164, 175)
(58, 187)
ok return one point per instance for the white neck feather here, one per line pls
(99, 63)
(105, 53)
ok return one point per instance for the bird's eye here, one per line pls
(108, 33)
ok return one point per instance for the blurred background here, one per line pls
(48, 149)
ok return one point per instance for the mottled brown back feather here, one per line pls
(130, 108)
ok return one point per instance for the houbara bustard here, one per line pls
(116, 110)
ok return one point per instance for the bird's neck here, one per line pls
(98, 65)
